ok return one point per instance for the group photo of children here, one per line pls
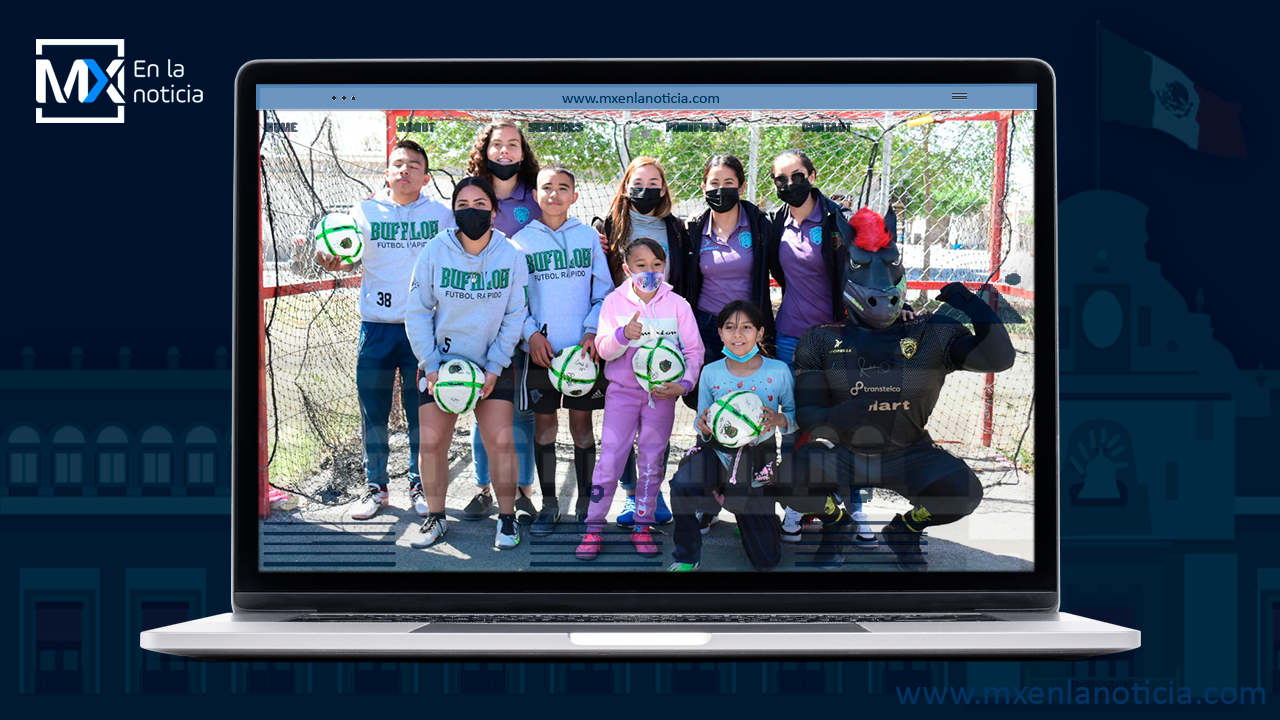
(498, 321)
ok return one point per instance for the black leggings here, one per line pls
(941, 487)
(691, 489)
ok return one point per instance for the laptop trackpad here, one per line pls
(636, 639)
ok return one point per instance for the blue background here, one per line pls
(124, 238)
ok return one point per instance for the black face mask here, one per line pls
(796, 193)
(722, 199)
(644, 200)
(473, 222)
(504, 172)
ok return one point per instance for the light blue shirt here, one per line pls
(771, 382)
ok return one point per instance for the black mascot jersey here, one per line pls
(891, 378)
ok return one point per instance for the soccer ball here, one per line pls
(736, 418)
(656, 362)
(572, 374)
(338, 235)
(458, 386)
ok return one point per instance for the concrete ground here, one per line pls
(998, 536)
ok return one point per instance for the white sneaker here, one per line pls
(369, 505)
(791, 526)
(419, 502)
(508, 535)
(863, 537)
(706, 520)
(433, 529)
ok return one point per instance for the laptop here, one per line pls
(899, 219)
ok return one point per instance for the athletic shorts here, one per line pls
(544, 399)
(503, 389)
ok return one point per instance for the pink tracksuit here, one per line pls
(626, 406)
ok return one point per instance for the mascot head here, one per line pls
(874, 281)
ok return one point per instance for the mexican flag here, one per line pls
(1140, 89)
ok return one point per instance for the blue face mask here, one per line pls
(647, 281)
(743, 358)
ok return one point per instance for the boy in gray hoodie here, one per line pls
(396, 222)
(568, 280)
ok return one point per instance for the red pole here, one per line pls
(998, 185)
(264, 483)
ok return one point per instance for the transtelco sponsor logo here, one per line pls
(80, 81)
(860, 387)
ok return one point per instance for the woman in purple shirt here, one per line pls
(503, 157)
(731, 241)
(813, 234)
(808, 260)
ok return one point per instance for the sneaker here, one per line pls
(643, 541)
(863, 537)
(706, 520)
(369, 505)
(589, 547)
(508, 535)
(905, 544)
(792, 524)
(626, 518)
(662, 514)
(478, 508)
(683, 567)
(419, 501)
(432, 530)
(835, 537)
(545, 523)
(525, 509)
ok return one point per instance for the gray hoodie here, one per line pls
(467, 306)
(394, 235)
(568, 280)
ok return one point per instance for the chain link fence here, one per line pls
(963, 197)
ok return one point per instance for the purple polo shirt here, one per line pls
(807, 299)
(725, 265)
(516, 211)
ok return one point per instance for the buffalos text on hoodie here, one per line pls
(471, 307)
(568, 281)
(394, 235)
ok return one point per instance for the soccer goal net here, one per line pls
(960, 182)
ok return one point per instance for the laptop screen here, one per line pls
(641, 328)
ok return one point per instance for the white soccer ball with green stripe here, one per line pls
(572, 373)
(736, 418)
(337, 234)
(458, 386)
(656, 362)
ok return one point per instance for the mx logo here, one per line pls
(71, 98)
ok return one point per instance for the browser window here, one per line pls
(648, 328)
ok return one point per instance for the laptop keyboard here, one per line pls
(641, 619)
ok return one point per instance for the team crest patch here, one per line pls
(535, 395)
(731, 431)
(815, 235)
(664, 365)
(522, 215)
(909, 347)
(744, 238)
(455, 368)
